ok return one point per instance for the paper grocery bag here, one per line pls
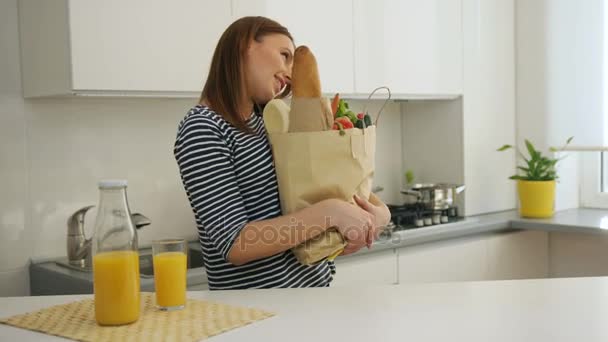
(314, 166)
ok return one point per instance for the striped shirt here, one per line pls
(230, 180)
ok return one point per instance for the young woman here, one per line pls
(227, 170)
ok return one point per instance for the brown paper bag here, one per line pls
(314, 166)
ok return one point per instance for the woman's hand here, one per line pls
(380, 213)
(353, 223)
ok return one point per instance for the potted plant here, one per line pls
(536, 181)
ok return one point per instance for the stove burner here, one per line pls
(416, 215)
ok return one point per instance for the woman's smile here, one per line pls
(279, 85)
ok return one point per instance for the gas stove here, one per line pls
(416, 215)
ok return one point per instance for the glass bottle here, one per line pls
(115, 258)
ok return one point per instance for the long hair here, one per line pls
(224, 86)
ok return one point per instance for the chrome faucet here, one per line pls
(377, 189)
(79, 247)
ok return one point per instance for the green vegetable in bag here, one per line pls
(368, 120)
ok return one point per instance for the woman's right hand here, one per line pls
(353, 223)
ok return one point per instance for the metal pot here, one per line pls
(434, 196)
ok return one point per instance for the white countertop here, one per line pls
(570, 309)
(579, 220)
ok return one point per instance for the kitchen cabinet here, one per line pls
(518, 255)
(112, 47)
(379, 268)
(414, 47)
(462, 259)
(159, 48)
(498, 256)
(578, 255)
(325, 26)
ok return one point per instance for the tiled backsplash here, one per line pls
(13, 177)
(66, 147)
(74, 143)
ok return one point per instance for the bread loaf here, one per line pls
(310, 112)
(305, 80)
(276, 116)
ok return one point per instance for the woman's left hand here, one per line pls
(380, 212)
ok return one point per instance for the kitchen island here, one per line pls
(564, 309)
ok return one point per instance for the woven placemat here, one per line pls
(199, 320)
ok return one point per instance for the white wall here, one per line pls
(53, 152)
(559, 71)
(559, 80)
(488, 104)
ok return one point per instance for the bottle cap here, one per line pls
(113, 183)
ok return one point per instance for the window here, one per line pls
(594, 178)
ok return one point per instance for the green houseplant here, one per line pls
(536, 180)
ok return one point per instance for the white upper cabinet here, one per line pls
(164, 48)
(114, 46)
(325, 26)
(412, 46)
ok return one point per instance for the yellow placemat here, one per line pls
(199, 320)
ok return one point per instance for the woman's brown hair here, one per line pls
(223, 88)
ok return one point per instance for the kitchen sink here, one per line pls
(58, 277)
(146, 269)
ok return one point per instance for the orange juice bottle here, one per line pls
(115, 258)
(170, 279)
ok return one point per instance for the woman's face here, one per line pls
(268, 67)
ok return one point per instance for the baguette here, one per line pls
(310, 112)
(305, 80)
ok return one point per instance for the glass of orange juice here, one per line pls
(169, 261)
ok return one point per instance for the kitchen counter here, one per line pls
(569, 309)
(581, 220)
(49, 278)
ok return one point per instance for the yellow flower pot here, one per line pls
(536, 198)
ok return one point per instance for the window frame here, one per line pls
(594, 176)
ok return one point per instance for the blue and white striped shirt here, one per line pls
(230, 181)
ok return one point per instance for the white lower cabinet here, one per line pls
(379, 268)
(518, 255)
(578, 255)
(497, 256)
(462, 259)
